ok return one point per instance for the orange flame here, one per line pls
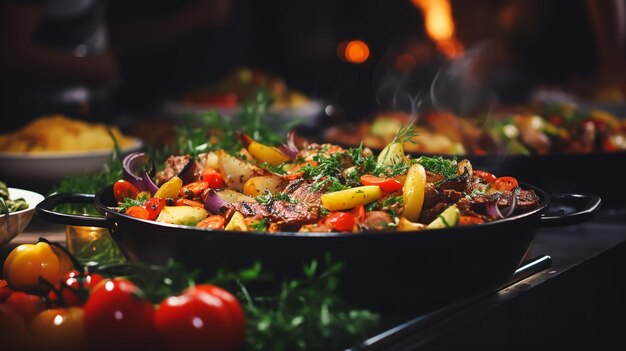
(440, 25)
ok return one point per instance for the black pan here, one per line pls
(383, 270)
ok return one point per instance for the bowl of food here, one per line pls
(17, 207)
(419, 229)
(53, 147)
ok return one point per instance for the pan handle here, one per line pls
(568, 209)
(45, 210)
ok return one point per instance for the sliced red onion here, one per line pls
(187, 173)
(494, 211)
(290, 149)
(148, 183)
(213, 202)
(131, 165)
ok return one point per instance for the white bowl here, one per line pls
(48, 168)
(18, 220)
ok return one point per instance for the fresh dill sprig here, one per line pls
(437, 164)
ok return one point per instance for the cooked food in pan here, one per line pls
(57, 133)
(241, 85)
(543, 130)
(320, 188)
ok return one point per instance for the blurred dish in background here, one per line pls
(533, 130)
(15, 222)
(240, 86)
(52, 147)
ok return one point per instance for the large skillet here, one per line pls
(382, 269)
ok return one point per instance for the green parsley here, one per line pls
(275, 169)
(128, 202)
(258, 225)
(268, 198)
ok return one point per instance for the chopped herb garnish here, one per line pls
(258, 225)
(268, 198)
(275, 169)
(128, 202)
(437, 164)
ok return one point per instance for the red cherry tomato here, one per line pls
(505, 184)
(486, 176)
(5, 291)
(194, 189)
(232, 305)
(340, 221)
(138, 212)
(200, 317)
(214, 178)
(154, 207)
(466, 220)
(25, 305)
(14, 334)
(212, 222)
(359, 213)
(74, 290)
(187, 202)
(387, 185)
(123, 189)
(118, 318)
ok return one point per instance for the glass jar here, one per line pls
(92, 245)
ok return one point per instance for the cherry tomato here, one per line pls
(59, 329)
(28, 262)
(138, 212)
(466, 220)
(194, 189)
(123, 189)
(214, 178)
(505, 184)
(359, 213)
(295, 172)
(154, 207)
(117, 318)
(232, 305)
(340, 221)
(387, 185)
(25, 305)
(486, 176)
(212, 222)
(13, 331)
(200, 317)
(5, 291)
(187, 202)
(74, 289)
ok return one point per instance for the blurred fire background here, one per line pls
(358, 56)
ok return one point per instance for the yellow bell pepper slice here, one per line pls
(413, 192)
(350, 198)
(269, 154)
(170, 189)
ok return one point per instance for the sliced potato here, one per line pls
(350, 198)
(237, 222)
(231, 196)
(209, 160)
(256, 186)
(182, 215)
(413, 192)
(170, 189)
(404, 225)
(235, 171)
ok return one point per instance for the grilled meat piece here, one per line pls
(377, 220)
(432, 195)
(173, 166)
(430, 214)
(526, 200)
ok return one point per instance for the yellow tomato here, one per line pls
(413, 192)
(27, 262)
